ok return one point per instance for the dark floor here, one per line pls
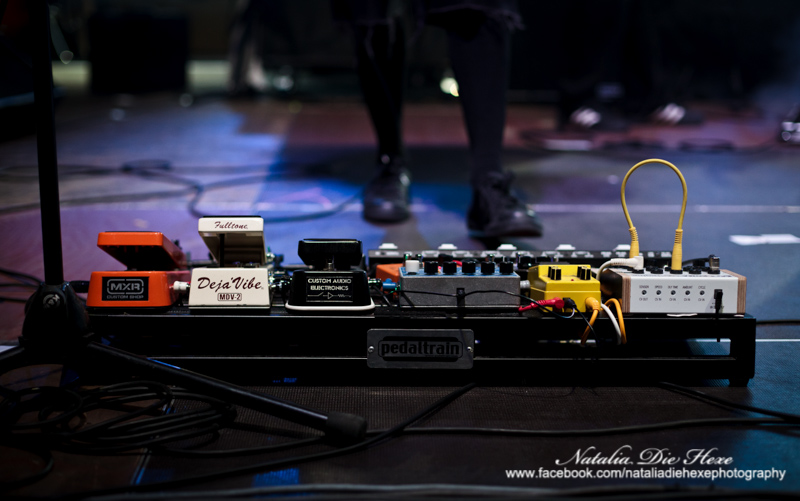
(316, 156)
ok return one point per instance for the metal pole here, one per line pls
(46, 143)
(337, 425)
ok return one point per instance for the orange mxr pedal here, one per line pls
(154, 264)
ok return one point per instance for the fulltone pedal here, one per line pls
(241, 282)
(154, 264)
(334, 284)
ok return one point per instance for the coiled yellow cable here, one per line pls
(677, 249)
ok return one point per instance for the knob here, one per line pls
(468, 267)
(431, 267)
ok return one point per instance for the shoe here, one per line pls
(587, 118)
(495, 212)
(675, 114)
(386, 197)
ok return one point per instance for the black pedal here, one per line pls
(333, 285)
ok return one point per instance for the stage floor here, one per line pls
(301, 164)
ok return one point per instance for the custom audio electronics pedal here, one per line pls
(241, 281)
(334, 284)
(154, 263)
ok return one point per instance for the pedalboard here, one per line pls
(656, 290)
(433, 309)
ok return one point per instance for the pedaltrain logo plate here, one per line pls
(420, 349)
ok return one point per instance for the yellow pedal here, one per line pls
(574, 281)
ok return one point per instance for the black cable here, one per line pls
(192, 207)
(46, 458)
(22, 277)
(13, 299)
(131, 429)
(383, 296)
(244, 451)
(695, 145)
(568, 433)
(437, 491)
(699, 395)
(390, 433)
(24, 281)
(779, 321)
(779, 418)
(196, 189)
(67, 170)
(122, 197)
(574, 307)
(618, 430)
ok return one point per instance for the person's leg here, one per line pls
(380, 56)
(379, 41)
(479, 54)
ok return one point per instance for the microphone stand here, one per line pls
(56, 326)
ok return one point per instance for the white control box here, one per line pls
(650, 292)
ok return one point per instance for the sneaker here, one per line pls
(386, 197)
(495, 212)
(675, 114)
(587, 118)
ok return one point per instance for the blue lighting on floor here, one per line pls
(290, 476)
(152, 475)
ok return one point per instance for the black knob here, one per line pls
(431, 267)
(468, 267)
(506, 268)
(449, 268)
(487, 267)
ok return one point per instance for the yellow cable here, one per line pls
(594, 304)
(677, 249)
(619, 317)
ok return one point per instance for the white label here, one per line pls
(229, 287)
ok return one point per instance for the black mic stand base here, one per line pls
(56, 329)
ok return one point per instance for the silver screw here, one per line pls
(51, 301)
(371, 349)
